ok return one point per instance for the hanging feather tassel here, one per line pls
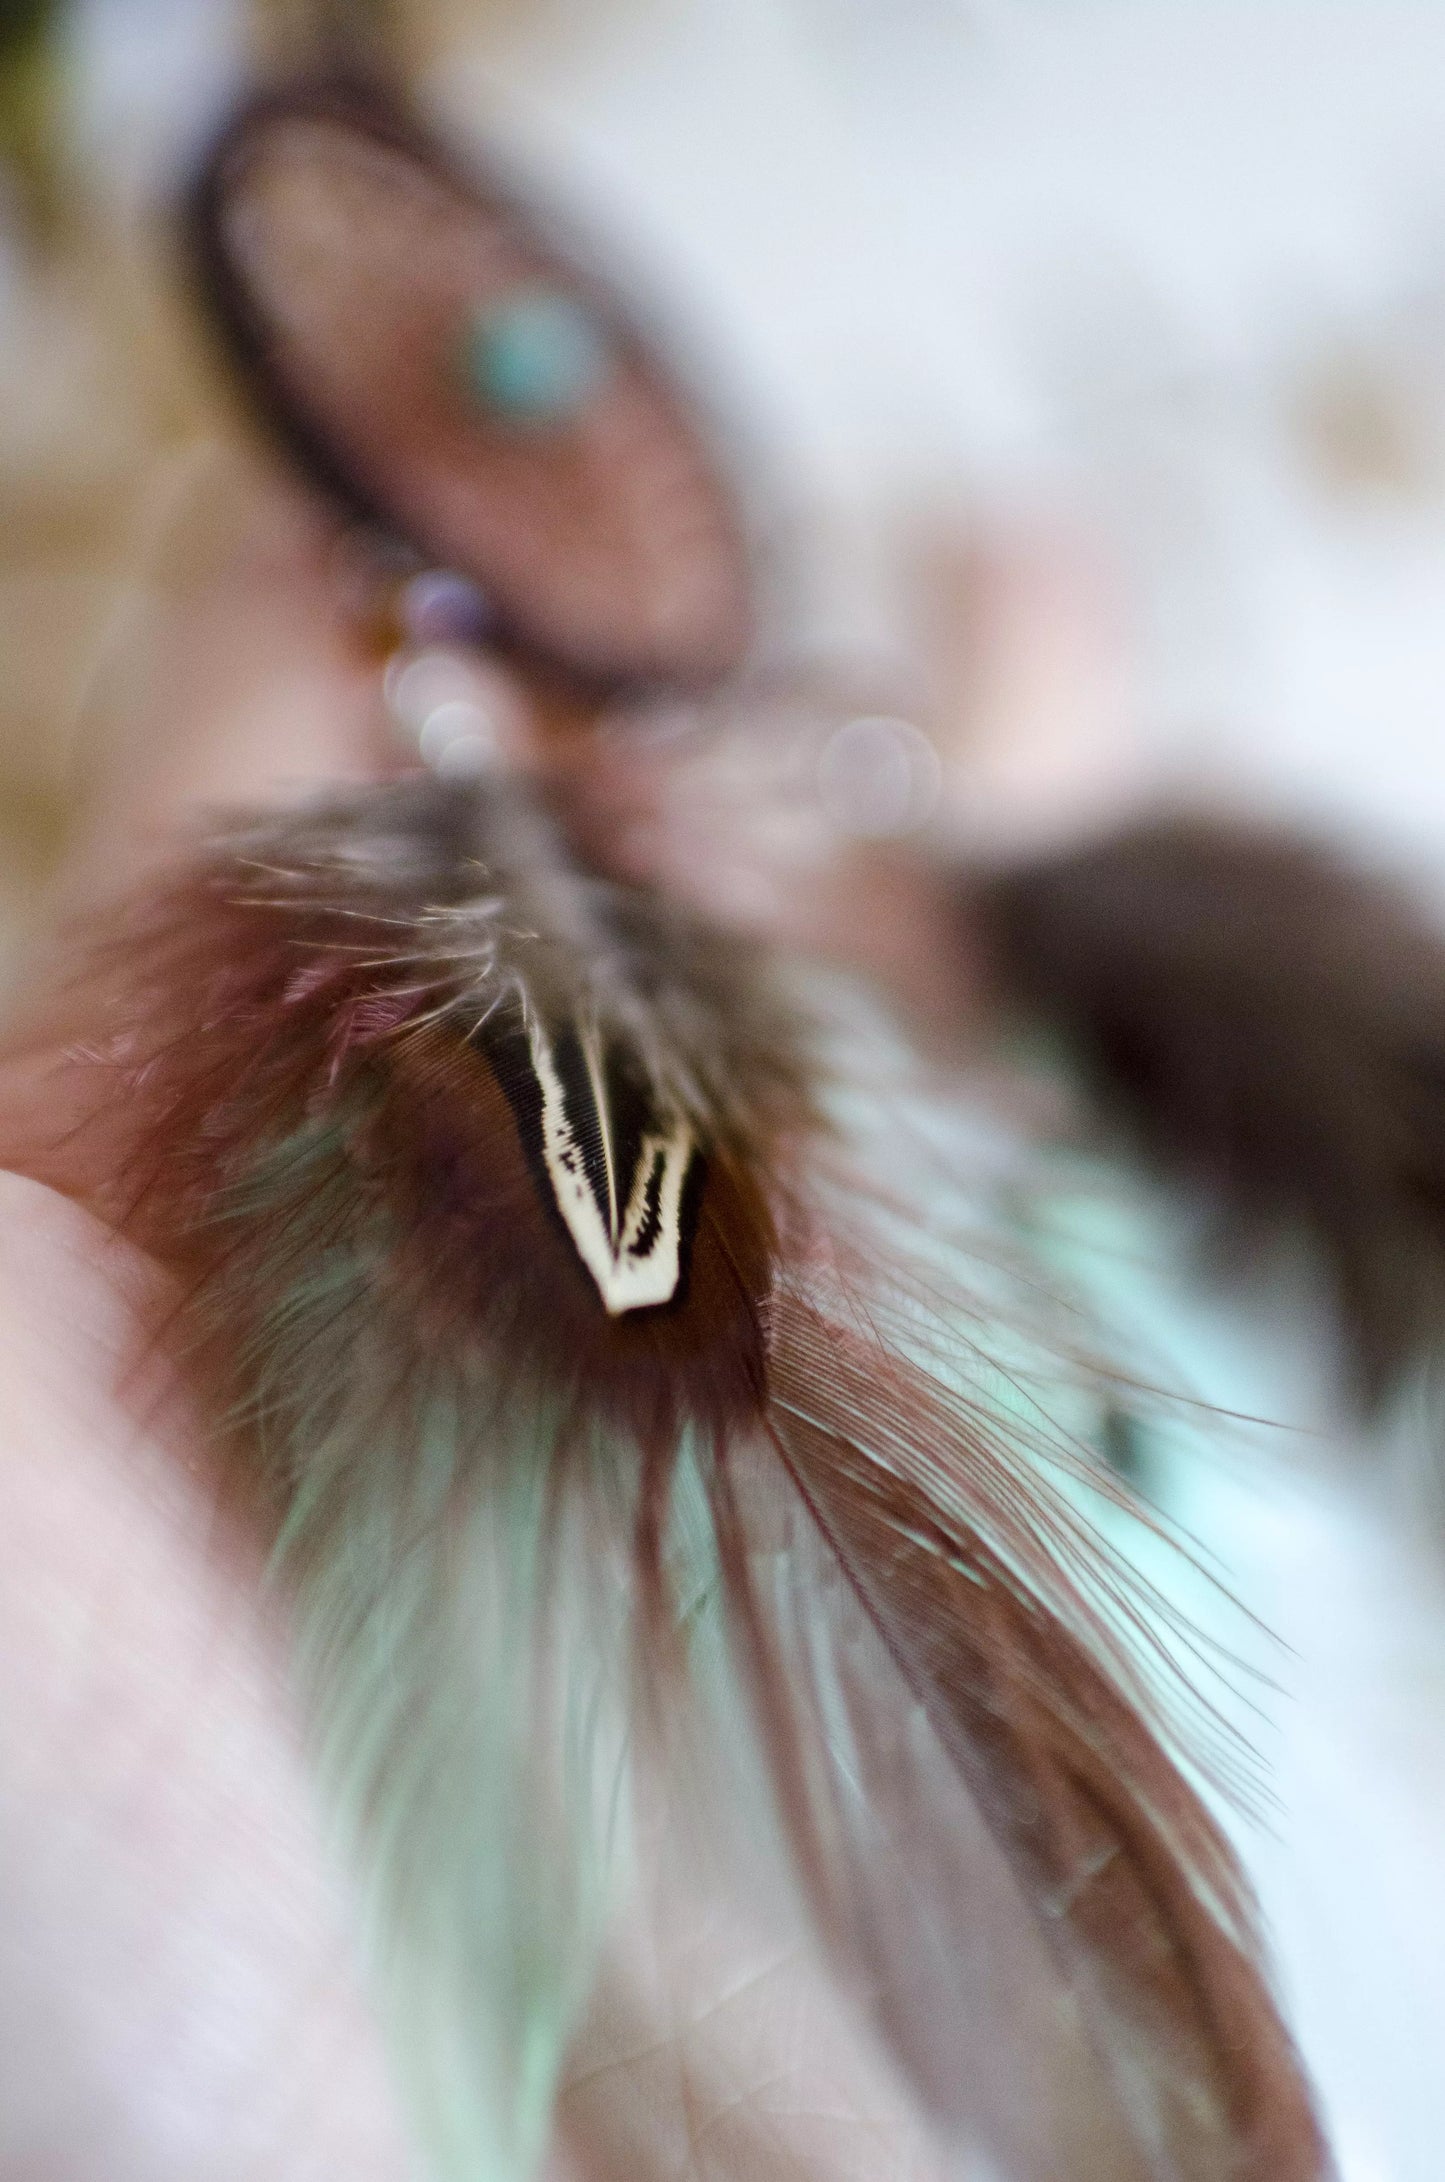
(494, 1193)
(1267, 1023)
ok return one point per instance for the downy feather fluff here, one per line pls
(517, 1300)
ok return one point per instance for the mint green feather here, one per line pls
(460, 1609)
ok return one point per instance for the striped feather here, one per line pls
(498, 1196)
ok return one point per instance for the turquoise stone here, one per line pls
(536, 357)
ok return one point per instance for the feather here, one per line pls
(1265, 1022)
(339, 1057)
(498, 1198)
(1128, 1876)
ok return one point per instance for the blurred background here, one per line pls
(1092, 359)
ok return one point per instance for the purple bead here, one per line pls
(441, 607)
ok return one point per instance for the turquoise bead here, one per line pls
(536, 357)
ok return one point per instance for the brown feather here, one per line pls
(370, 964)
(1132, 1883)
(1268, 1023)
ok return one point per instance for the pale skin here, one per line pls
(178, 1991)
